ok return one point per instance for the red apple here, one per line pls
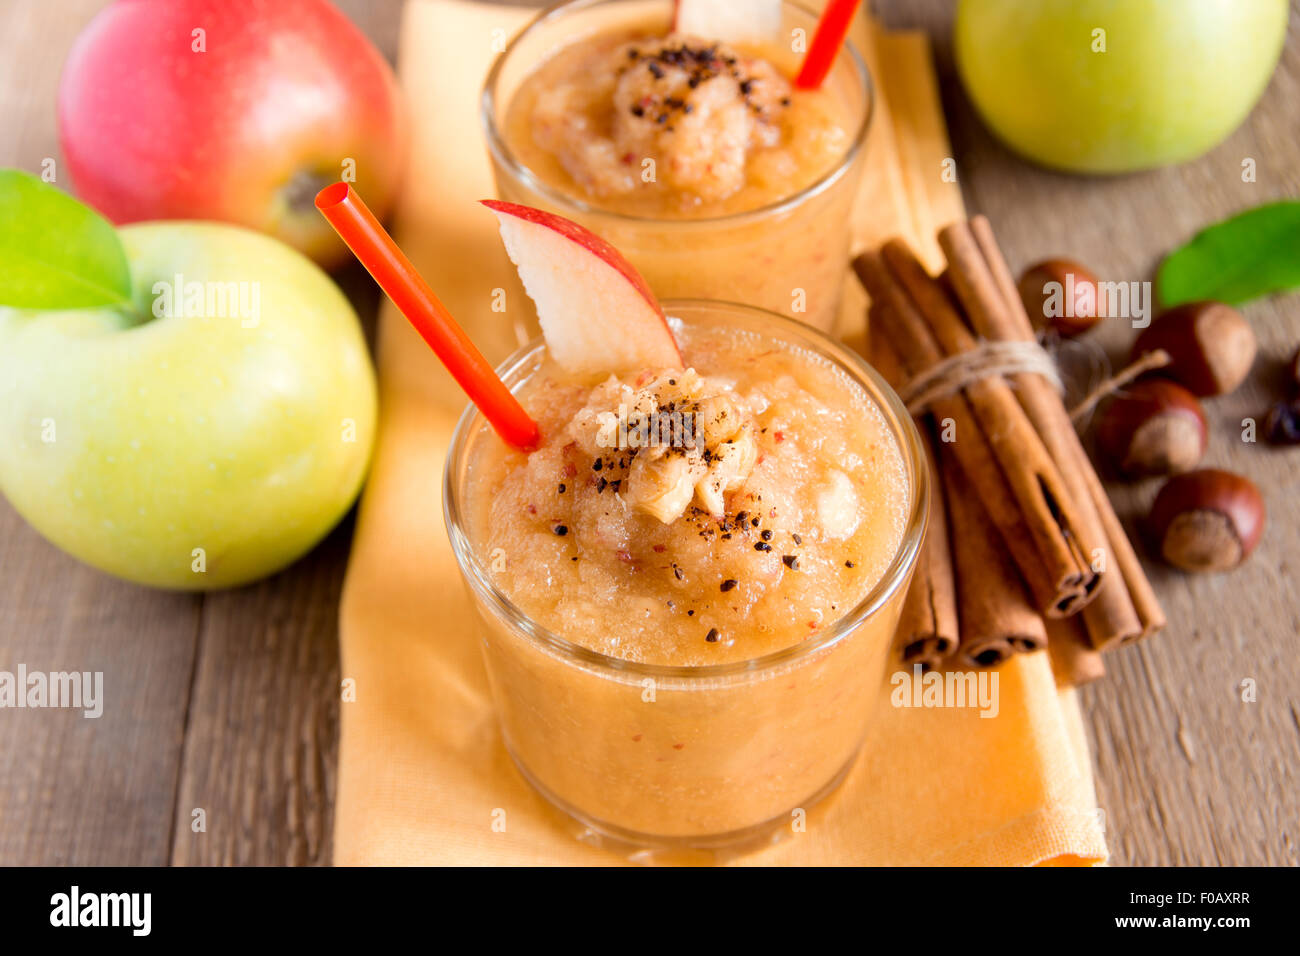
(236, 110)
(597, 313)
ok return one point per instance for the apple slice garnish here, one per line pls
(598, 314)
(732, 21)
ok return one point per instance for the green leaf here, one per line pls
(1252, 254)
(56, 253)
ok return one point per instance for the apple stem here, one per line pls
(135, 310)
(300, 191)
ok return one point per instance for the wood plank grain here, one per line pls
(85, 791)
(1187, 771)
(261, 743)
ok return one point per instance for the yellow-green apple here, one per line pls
(597, 312)
(1110, 86)
(234, 110)
(203, 439)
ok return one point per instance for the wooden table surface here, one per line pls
(228, 702)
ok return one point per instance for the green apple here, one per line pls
(204, 439)
(1111, 86)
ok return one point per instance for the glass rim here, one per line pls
(864, 375)
(502, 153)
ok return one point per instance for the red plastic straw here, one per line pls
(372, 244)
(832, 28)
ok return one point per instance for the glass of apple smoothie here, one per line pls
(688, 590)
(692, 153)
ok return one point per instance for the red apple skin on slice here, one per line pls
(731, 21)
(597, 312)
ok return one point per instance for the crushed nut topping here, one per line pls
(669, 441)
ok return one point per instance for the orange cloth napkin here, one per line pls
(423, 775)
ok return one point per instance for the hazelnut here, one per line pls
(1207, 520)
(1282, 423)
(1211, 347)
(1153, 427)
(1064, 287)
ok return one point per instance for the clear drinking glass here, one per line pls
(688, 756)
(788, 256)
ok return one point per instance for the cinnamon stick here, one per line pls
(927, 627)
(1074, 661)
(974, 273)
(996, 617)
(1049, 507)
(896, 319)
(1126, 607)
(998, 448)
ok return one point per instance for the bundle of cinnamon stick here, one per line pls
(1024, 549)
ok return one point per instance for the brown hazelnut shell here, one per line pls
(1211, 346)
(1207, 520)
(1032, 292)
(1153, 427)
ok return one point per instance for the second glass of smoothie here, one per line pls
(695, 157)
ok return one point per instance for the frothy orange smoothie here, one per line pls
(691, 587)
(627, 539)
(675, 126)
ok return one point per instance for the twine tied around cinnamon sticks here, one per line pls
(1007, 359)
(987, 360)
(1030, 550)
